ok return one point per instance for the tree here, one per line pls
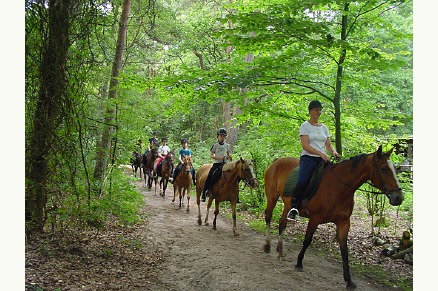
(52, 92)
(103, 152)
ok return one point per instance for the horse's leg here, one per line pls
(181, 197)
(188, 198)
(342, 230)
(175, 187)
(210, 200)
(198, 202)
(216, 212)
(233, 209)
(282, 225)
(270, 205)
(164, 179)
(311, 228)
(155, 182)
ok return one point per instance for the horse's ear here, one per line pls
(241, 159)
(379, 151)
(390, 151)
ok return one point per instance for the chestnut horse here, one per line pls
(226, 189)
(183, 182)
(148, 166)
(334, 199)
(163, 170)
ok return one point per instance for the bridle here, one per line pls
(247, 180)
(384, 189)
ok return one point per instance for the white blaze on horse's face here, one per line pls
(248, 168)
(391, 166)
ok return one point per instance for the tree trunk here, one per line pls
(337, 98)
(104, 148)
(47, 117)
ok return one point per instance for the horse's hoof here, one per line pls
(299, 269)
(267, 248)
(351, 286)
(173, 200)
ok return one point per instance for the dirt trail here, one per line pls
(200, 258)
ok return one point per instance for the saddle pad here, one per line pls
(291, 182)
(311, 188)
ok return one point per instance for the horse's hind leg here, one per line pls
(268, 217)
(198, 202)
(311, 228)
(233, 208)
(216, 212)
(210, 200)
(282, 225)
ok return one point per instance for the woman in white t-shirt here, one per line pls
(315, 139)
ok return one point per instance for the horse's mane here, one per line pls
(355, 160)
(229, 166)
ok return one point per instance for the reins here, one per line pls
(332, 165)
(246, 180)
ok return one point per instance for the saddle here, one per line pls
(312, 186)
(214, 178)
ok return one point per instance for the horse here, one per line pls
(148, 166)
(136, 163)
(163, 170)
(333, 200)
(226, 188)
(183, 182)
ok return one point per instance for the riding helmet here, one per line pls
(163, 139)
(183, 140)
(315, 104)
(154, 133)
(222, 131)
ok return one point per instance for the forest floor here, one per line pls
(170, 251)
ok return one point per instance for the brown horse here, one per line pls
(183, 182)
(334, 199)
(163, 170)
(226, 189)
(136, 162)
(148, 166)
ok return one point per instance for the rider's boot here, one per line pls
(293, 212)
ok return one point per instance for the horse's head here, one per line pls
(170, 157)
(385, 177)
(187, 165)
(247, 173)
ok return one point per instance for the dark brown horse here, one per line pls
(136, 162)
(334, 199)
(226, 189)
(148, 166)
(163, 170)
(183, 182)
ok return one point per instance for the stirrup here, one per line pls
(291, 215)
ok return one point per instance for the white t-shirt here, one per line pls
(163, 149)
(317, 136)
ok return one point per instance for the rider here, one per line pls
(163, 150)
(137, 148)
(220, 152)
(153, 141)
(315, 138)
(181, 154)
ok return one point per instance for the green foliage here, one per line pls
(162, 87)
